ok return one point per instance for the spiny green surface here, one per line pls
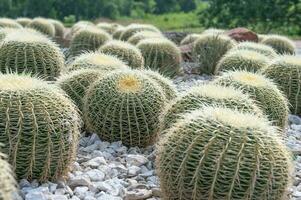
(108, 27)
(281, 44)
(58, 27)
(24, 21)
(265, 93)
(189, 39)
(162, 55)
(213, 31)
(43, 25)
(124, 106)
(124, 51)
(208, 94)
(40, 127)
(209, 49)
(141, 35)
(259, 48)
(7, 180)
(5, 31)
(25, 51)
(80, 25)
(117, 33)
(285, 71)
(242, 60)
(9, 23)
(87, 39)
(134, 28)
(219, 153)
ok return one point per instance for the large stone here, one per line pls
(138, 194)
(136, 160)
(242, 34)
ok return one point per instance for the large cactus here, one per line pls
(58, 27)
(207, 94)
(40, 127)
(124, 105)
(219, 153)
(80, 25)
(259, 48)
(189, 39)
(24, 21)
(162, 55)
(7, 180)
(25, 51)
(285, 71)
(9, 23)
(5, 31)
(141, 35)
(281, 44)
(43, 25)
(265, 93)
(134, 28)
(117, 33)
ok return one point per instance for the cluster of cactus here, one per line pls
(130, 104)
(162, 55)
(285, 72)
(24, 21)
(221, 153)
(58, 27)
(108, 27)
(9, 23)
(117, 33)
(87, 39)
(190, 38)
(80, 25)
(26, 51)
(134, 28)
(126, 52)
(40, 127)
(265, 93)
(281, 44)
(7, 180)
(242, 60)
(139, 36)
(259, 48)
(207, 94)
(209, 49)
(43, 25)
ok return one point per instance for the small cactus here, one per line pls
(162, 55)
(40, 127)
(259, 48)
(189, 39)
(88, 39)
(7, 180)
(134, 28)
(24, 21)
(220, 153)
(139, 36)
(242, 60)
(281, 44)
(43, 25)
(59, 28)
(26, 51)
(9, 23)
(124, 105)
(209, 49)
(265, 93)
(126, 52)
(285, 71)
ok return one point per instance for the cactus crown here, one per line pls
(27, 37)
(129, 84)
(251, 79)
(24, 82)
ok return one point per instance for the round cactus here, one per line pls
(265, 93)
(189, 39)
(80, 25)
(213, 31)
(9, 23)
(285, 72)
(43, 25)
(24, 21)
(209, 49)
(40, 126)
(97, 61)
(77, 83)
(124, 106)
(108, 27)
(117, 33)
(242, 60)
(165, 83)
(207, 94)
(162, 55)
(259, 48)
(126, 52)
(24, 51)
(221, 153)
(139, 36)
(134, 28)
(281, 44)
(7, 180)
(58, 27)
(88, 39)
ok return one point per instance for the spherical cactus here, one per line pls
(134, 28)
(220, 153)
(108, 27)
(265, 93)
(207, 94)
(7, 180)
(126, 52)
(117, 33)
(97, 61)
(40, 127)
(189, 39)
(43, 25)
(139, 36)
(9, 23)
(281, 44)
(213, 31)
(80, 25)
(89, 39)
(162, 55)
(285, 72)
(76, 84)
(24, 21)
(32, 53)
(58, 27)
(242, 60)
(259, 48)
(209, 49)
(124, 105)
(168, 88)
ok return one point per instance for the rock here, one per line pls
(138, 194)
(95, 162)
(95, 175)
(24, 183)
(79, 181)
(294, 119)
(133, 171)
(136, 160)
(242, 34)
(80, 192)
(156, 192)
(36, 196)
(59, 197)
(104, 196)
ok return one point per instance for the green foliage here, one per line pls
(7, 180)
(281, 44)
(219, 153)
(259, 48)
(43, 25)
(285, 72)
(40, 127)
(129, 103)
(263, 91)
